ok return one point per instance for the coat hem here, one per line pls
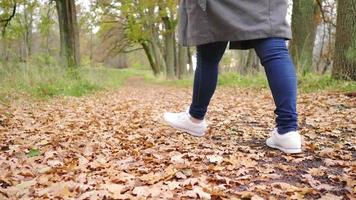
(235, 39)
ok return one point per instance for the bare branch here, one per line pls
(132, 50)
(320, 5)
(7, 21)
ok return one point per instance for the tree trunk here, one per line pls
(256, 67)
(190, 60)
(28, 26)
(4, 49)
(182, 61)
(304, 31)
(170, 41)
(160, 62)
(243, 56)
(69, 34)
(170, 54)
(345, 44)
(250, 62)
(91, 53)
(149, 53)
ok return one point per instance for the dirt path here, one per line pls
(115, 146)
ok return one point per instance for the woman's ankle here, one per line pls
(195, 120)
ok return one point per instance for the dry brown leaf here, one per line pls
(141, 191)
(201, 193)
(60, 190)
(115, 190)
(216, 159)
(317, 171)
(172, 185)
(177, 159)
(316, 184)
(117, 138)
(329, 196)
(180, 175)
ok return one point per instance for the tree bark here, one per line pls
(170, 54)
(345, 44)
(28, 26)
(170, 45)
(150, 57)
(304, 32)
(190, 60)
(182, 61)
(160, 61)
(69, 34)
(252, 63)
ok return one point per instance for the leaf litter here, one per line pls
(114, 145)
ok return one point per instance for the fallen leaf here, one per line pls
(116, 190)
(215, 159)
(329, 196)
(141, 191)
(177, 159)
(201, 193)
(59, 189)
(33, 153)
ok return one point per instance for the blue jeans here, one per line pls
(279, 69)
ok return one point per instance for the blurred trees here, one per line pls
(152, 25)
(123, 33)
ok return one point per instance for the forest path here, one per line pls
(114, 145)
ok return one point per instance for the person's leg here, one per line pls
(206, 76)
(282, 80)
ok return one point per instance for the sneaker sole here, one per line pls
(285, 150)
(185, 130)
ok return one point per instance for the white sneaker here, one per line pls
(182, 121)
(290, 142)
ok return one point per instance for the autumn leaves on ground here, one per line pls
(114, 145)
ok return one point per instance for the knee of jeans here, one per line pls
(275, 53)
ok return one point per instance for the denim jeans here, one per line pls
(279, 69)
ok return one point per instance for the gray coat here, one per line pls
(237, 21)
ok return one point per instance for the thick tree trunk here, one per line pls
(250, 62)
(69, 34)
(149, 53)
(160, 62)
(345, 45)
(5, 49)
(157, 51)
(170, 41)
(304, 31)
(170, 54)
(242, 61)
(182, 61)
(2, 49)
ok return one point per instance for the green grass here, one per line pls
(251, 81)
(316, 83)
(225, 79)
(306, 84)
(45, 82)
(50, 81)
